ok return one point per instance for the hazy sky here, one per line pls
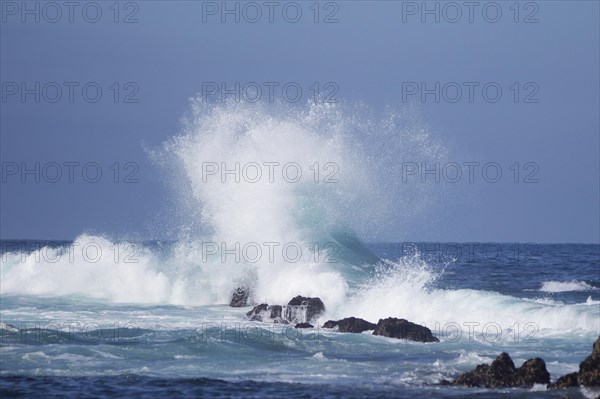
(543, 56)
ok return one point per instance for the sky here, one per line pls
(88, 88)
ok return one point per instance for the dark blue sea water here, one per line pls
(101, 324)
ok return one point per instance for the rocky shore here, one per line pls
(502, 373)
(303, 312)
(588, 374)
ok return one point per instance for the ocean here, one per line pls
(156, 327)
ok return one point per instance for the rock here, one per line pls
(403, 329)
(330, 324)
(257, 310)
(588, 375)
(533, 371)
(496, 375)
(294, 312)
(566, 381)
(275, 311)
(264, 311)
(240, 297)
(303, 325)
(503, 374)
(589, 369)
(350, 324)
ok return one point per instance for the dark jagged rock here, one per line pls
(303, 325)
(275, 311)
(257, 310)
(495, 375)
(354, 325)
(503, 374)
(533, 371)
(350, 324)
(314, 307)
(589, 369)
(588, 375)
(240, 297)
(264, 311)
(403, 329)
(566, 381)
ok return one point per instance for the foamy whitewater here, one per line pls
(289, 201)
(565, 286)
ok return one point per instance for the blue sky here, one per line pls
(373, 54)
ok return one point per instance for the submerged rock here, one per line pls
(300, 306)
(503, 374)
(304, 325)
(404, 329)
(240, 297)
(350, 324)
